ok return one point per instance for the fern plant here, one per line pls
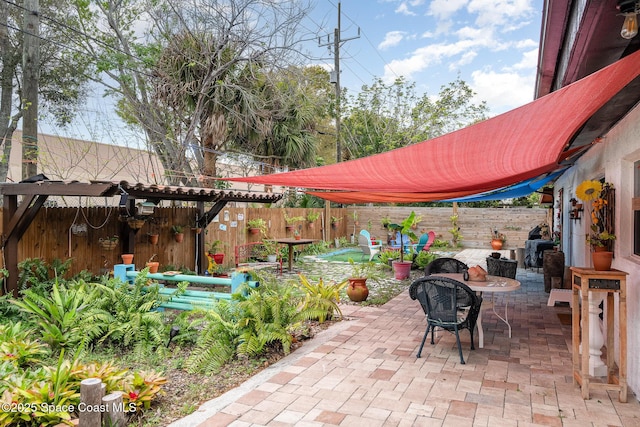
(133, 323)
(245, 326)
(267, 315)
(218, 338)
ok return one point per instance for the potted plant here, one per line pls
(600, 238)
(357, 290)
(178, 233)
(296, 234)
(257, 226)
(109, 243)
(153, 237)
(270, 249)
(385, 221)
(153, 265)
(402, 268)
(213, 251)
(334, 221)
(497, 239)
(216, 270)
(291, 221)
(312, 217)
(135, 223)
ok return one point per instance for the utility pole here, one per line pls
(337, 42)
(30, 73)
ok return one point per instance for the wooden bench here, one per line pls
(189, 299)
(253, 255)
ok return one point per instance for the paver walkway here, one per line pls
(364, 372)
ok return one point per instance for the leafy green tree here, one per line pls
(384, 117)
(191, 77)
(63, 73)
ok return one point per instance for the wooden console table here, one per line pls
(591, 287)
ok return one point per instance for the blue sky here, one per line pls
(491, 44)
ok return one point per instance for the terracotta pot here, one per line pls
(357, 290)
(311, 225)
(254, 230)
(153, 239)
(153, 266)
(297, 237)
(127, 258)
(179, 237)
(289, 228)
(602, 260)
(402, 269)
(496, 244)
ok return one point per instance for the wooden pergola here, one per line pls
(18, 214)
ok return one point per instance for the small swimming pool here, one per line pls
(339, 252)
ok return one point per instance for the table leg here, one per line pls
(480, 331)
(290, 257)
(505, 319)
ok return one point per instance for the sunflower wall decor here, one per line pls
(601, 196)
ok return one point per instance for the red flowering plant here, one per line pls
(597, 193)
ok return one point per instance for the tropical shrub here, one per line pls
(64, 318)
(321, 299)
(17, 348)
(37, 275)
(423, 258)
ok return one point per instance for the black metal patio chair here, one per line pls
(445, 265)
(448, 304)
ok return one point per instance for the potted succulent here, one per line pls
(257, 226)
(402, 268)
(178, 233)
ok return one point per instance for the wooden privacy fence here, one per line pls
(61, 233)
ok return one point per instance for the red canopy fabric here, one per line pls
(509, 148)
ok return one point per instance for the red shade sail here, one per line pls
(509, 148)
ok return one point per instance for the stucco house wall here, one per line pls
(614, 160)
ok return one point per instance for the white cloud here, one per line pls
(465, 59)
(502, 91)
(392, 38)
(529, 60)
(506, 13)
(403, 9)
(445, 9)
